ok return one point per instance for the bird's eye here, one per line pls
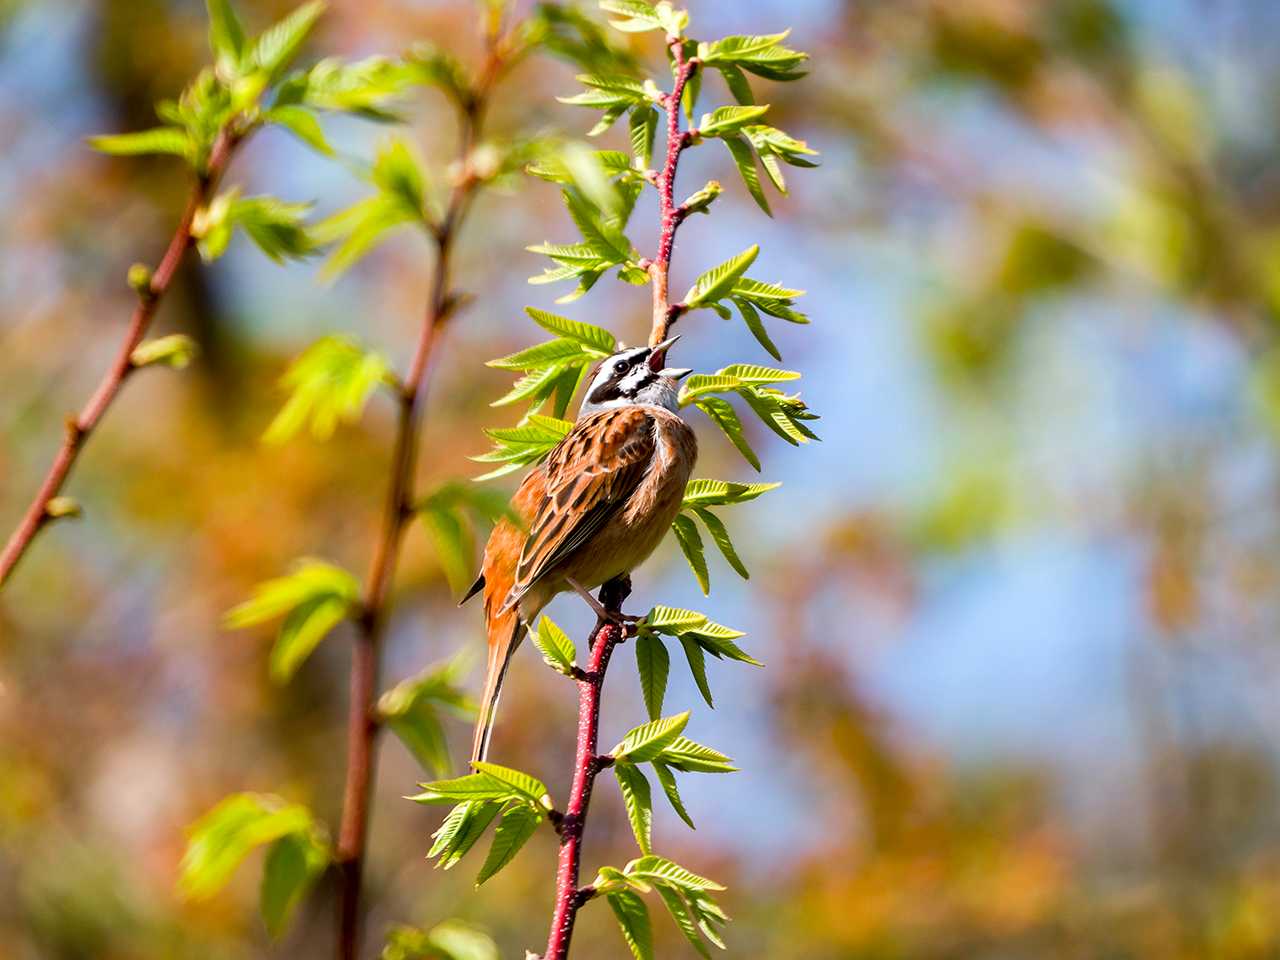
(622, 367)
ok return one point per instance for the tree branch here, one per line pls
(587, 766)
(80, 426)
(362, 721)
(670, 216)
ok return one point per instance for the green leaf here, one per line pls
(226, 34)
(654, 664)
(721, 537)
(668, 781)
(607, 92)
(708, 493)
(438, 685)
(435, 67)
(423, 735)
(302, 124)
(673, 620)
(755, 373)
(552, 353)
(638, 800)
(473, 787)
(690, 541)
(278, 228)
(725, 417)
(517, 826)
(643, 129)
(684, 754)
(697, 666)
(638, 16)
(718, 281)
(364, 88)
(745, 161)
(176, 350)
(752, 319)
(683, 918)
(293, 864)
(303, 629)
(728, 120)
(633, 918)
(278, 45)
(596, 339)
(762, 55)
(662, 872)
(737, 83)
(555, 646)
(169, 140)
(451, 940)
(223, 837)
(464, 825)
(648, 740)
(313, 599)
(330, 383)
(525, 787)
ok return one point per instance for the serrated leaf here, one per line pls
(690, 542)
(660, 871)
(673, 620)
(737, 83)
(170, 140)
(554, 645)
(685, 754)
(744, 159)
(464, 825)
(637, 15)
(654, 664)
(473, 787)
(752, 319)
(668, 781)
(633, 918)
(643, 129)
(720, 535)
(755, 373)
(551, 353)
(518, 824)
(226, 33)
(683, 918)
(637, 798)
(596, 339)
(526, 787)
(697, 666)
(648, 740)
(703, 492)
(718, 281)
(279, 44)
(728, 120)
(725, 417)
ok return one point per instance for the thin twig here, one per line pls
(362, 721)
(80, 426)
(587, 765)
(670, 216)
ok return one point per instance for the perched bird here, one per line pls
(595, 509)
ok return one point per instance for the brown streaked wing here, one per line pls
(590, 474)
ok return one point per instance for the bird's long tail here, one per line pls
(505, 634)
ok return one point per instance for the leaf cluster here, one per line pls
(298, 850)
(686, 896)
(413, 708)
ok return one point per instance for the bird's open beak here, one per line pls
(658, 355)
(676, 373)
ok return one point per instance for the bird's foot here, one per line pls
(625, 620)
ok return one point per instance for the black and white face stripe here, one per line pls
(622, 377)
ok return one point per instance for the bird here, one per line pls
(595, 509)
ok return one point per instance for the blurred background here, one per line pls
(1018, 608)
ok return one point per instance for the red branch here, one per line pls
(587, 765)
(362, 720)
(670, 216)
(80, 426)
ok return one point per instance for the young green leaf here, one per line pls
(302, 124)
(638, 800)
(522, 786)
(690, 542)
(729, 120)
(684, 754)
(697, 666)
(684, 919)
(518, 824)
(668, 781)
(595, 339)
(223, 837)
(464, 825)
(176, 350)
(633, 919)
(720, 535)
(554, 645)
(709, 493)
(293, 864)
(744, 159)
(329, 383)
(649, 740)
(169, 140)
(637, 16)
(654, 664)
(278, 45)
(718, 281)
(725, 417)
(752, 319)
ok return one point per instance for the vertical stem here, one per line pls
(362, 720)
(587, 765)
(669, 215)
(79, 427)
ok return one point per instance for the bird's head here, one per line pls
(638, 375)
